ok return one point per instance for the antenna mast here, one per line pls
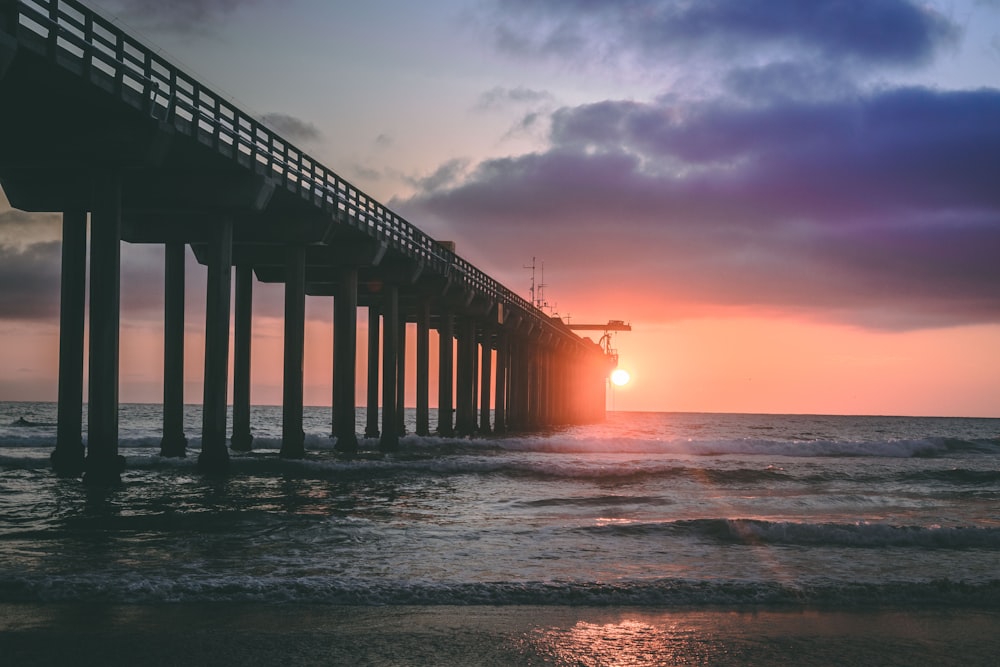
(532, 290)
(538, 288)
(540, 303)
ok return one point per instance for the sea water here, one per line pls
(653, 509)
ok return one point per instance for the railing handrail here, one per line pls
(174, 96)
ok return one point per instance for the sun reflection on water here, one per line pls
(627, 643)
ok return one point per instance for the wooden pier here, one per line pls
(95, 125)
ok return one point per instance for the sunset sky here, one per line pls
(796, 204)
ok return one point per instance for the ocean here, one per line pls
(658, 511)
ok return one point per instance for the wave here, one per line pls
(787, 533)
(42, 435)
(954, 476)
(901, 448)
(131, 588)
(446, 459)
(375, 465)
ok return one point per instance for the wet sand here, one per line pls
(228, 634)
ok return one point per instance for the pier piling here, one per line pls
(292, 436)
(174, 442)
(242, 438)
(103, 465)
(345, 346)
(214, 457)
(68, 457)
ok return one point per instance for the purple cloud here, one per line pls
(176, 15)
(29, 281)
(881, 210)
(890, 32)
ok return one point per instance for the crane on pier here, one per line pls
(609, 329)
(537, 292)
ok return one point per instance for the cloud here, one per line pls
(655, 34)
(176, 15)
(787, 80)
(500, 97)
(29, 281)
(19, 229)
(881, 209)
(445, 175)
(291, 128)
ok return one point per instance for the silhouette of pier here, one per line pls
(95, 125)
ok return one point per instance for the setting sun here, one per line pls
(620, 377)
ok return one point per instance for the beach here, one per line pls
(258, 634)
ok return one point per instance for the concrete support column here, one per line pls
(465, 419)
(513, 407)
(401, 377)
(570, 390)
(577, 391)
(543, 367)
(371, 423)
(68, 457)
(445, 373)
(514, 386)
(292, 437)
(103, 465)
(474, 354)
(485, 382)
(601, 387)
(345, 349)
(500, 389)
(423, 367)
(242, 439)
(174, 442)
(562, 388)
(531, 409)
(390, 368)
(555, 388)
(526, 385)
(596, 383)
(214, 457)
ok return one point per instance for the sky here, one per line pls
(794, 203)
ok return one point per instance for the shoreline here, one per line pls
(295, 634)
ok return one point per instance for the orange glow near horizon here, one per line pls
(722, 364)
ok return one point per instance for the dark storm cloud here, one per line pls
(174, 15)
(897, 32)
(29, 281)
(883, 204)
(291, 128)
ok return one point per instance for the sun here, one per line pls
(620, 377)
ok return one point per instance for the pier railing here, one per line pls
(93, 47)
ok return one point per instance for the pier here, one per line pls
(123, 144)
